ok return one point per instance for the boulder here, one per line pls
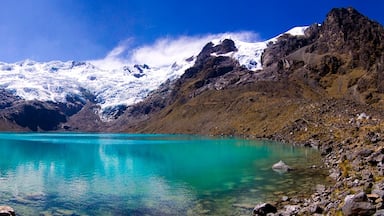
(358, 204)
(378, 189)
(7, 211)
(291, 210)
(281, 167)
(365, 152)
(316, 209)
(379, 213)
(264, 209)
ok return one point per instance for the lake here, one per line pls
(141, 174)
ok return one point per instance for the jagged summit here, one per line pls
(346, 30)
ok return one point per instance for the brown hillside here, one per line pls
(339, 60)
(323, 90)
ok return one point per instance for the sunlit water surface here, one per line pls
(129, 174)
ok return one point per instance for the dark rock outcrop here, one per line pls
(38, 116)
(226, 46)
(19, 114)
(285, 45)
(7, 99)
(264, 209)
(217, 65)
(346, 31)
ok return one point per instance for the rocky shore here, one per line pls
(350, 140)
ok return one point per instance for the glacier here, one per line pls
(112, 85)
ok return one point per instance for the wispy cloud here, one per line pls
(166, 51)
(120, 50)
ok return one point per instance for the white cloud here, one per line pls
(120, 50)
(115, 52)
(166, 51)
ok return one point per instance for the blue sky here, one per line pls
(45, 30)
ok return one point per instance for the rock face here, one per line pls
(7, 99)
(346, 30)
(18, 114)
(38, 115)
(208, 69)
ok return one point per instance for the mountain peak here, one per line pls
(349, 26)
(344, 21)
(347, 31)
(343, 13)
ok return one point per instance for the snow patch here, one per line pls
(249, 53)
(297, 31)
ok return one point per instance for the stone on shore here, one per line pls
(378, 189)
(264, 209)
(7, 211)
(358, 204)
(379, 213)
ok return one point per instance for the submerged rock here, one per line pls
(7, 211)
(281, 167)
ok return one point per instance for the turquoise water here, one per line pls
(126, 174)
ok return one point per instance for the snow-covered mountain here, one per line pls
(125, 85)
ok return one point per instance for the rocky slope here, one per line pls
(323, 90)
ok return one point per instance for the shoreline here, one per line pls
(353, 152)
